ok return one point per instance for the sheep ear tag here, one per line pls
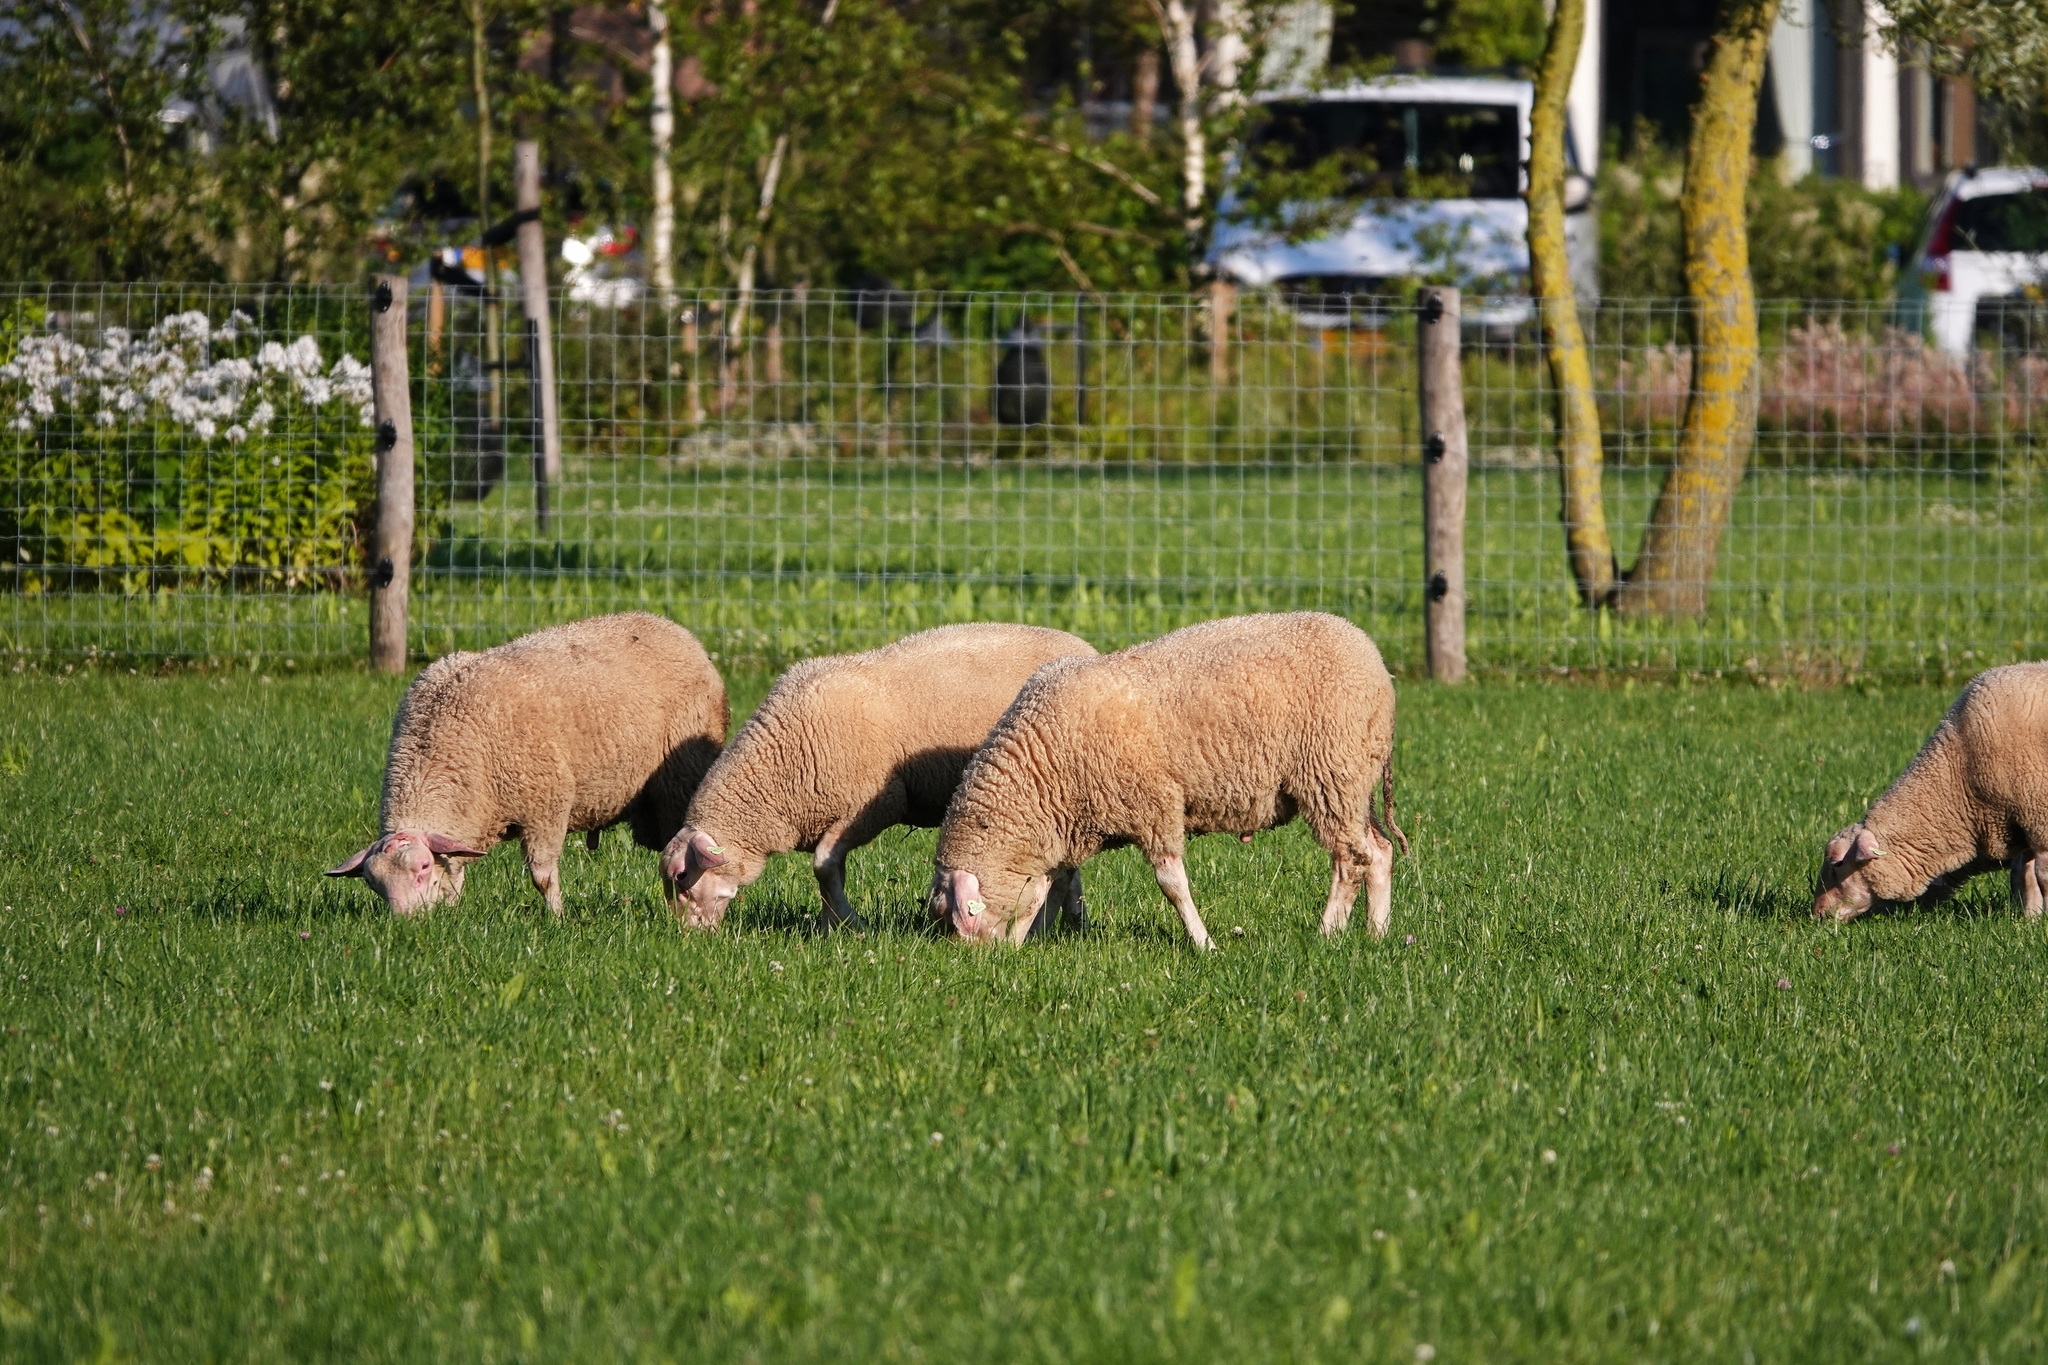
(351, 866)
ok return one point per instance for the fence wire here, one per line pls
(187, 473)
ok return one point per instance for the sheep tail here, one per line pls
(1384, 822)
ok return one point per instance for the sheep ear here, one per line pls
(1865, 848)
(445, 847)
(704, 852)
(1838, 848)
(351, 866)
(964, 889)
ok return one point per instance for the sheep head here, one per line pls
(1845, 890)
(412, 870)
(999, 907)
(703, 874)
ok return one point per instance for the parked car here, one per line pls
(1984, 258)
(1436, 169)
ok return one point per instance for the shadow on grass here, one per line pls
(246, 900)
(1750, 894)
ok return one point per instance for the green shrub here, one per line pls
(193, 453)
(1817, 238)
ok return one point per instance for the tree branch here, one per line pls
(1110, 169)
(99, 73)
(1059, 246)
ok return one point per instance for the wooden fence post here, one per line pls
(540, 348)
(1222, 316)
(391, 546)
(1441, 389)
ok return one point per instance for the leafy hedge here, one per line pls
(1815, 238)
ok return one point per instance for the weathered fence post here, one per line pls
(1222, 315)
(540, 349)
(391, 545)
(1441, 389)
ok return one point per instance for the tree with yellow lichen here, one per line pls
(1564, 340)
(1672, 572)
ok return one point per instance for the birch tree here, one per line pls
(661, 128)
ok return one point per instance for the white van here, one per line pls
(1986, 243)
(1443, 170)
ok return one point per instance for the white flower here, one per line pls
(165, 374)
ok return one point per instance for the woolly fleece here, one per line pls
(1228, 726)
(843, 748)
(1975, 798)
(576, 727)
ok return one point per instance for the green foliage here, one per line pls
(1818, 238)
(1577, 1118)
(92, 184)
(1829, 238)
(188, 456)
(920, 142)
(1488, 35)
(119, 509)
(1642, 255)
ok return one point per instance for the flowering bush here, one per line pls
(189, 450)
(1890, 389)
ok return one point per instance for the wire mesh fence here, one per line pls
(187, 473)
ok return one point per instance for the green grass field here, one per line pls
(1894, 574)
(246, 1117)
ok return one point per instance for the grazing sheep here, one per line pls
(1233, 725)
(576, 727)
(845, 747)
(1973, 799)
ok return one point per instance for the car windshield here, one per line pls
(1401, 151)
(2003, 222)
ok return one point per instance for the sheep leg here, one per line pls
(1371, 865)
(1073, 907)
(828, 859)
(543, 850)
(1172, 873)
(1062, 902)
(829, 863)
(2028, 878)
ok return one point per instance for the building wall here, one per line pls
(1836, 100)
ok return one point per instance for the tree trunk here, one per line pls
(1671, 576)
(662, 124)
(1564, 341)
(736, 320)
(1145, 95)
(480, 90)
(1177, 27)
